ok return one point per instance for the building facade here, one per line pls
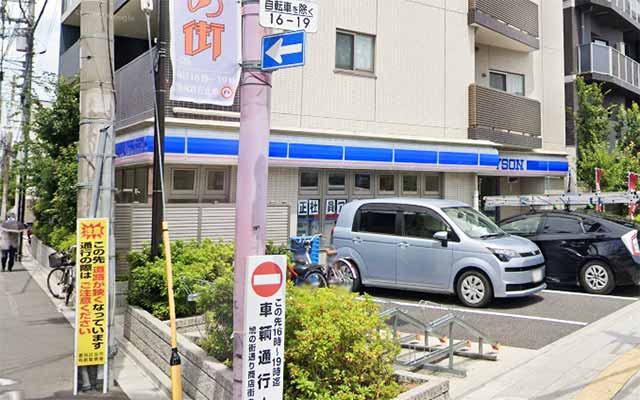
(602, 44)
(453, 99)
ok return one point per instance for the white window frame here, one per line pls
(193, 191)
(418, 185)
(506, 79)
(309, 190)
(431, 194)
(395, 183)
(225, 183)
(353, 53)
(372, 181)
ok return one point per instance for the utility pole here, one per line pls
(25, 103)
(253, 169)
(97, 110)
(161, 85)
(6, 160)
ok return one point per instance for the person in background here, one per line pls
(9, 246)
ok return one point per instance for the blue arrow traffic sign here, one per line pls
(284, 50)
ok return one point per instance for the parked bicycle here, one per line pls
(340, 273)
(61, 280)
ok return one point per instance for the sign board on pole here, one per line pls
(284, 50)
(92, 293)
(264, 316)
(290, 15)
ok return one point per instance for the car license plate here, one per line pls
(537, 275)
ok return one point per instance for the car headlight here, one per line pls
(504, 254)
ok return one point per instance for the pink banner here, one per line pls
(205, 51)
(598, 178)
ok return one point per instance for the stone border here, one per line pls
(430, 388)
(204, 378)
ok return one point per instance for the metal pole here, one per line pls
(157, 206)
(253, 165)
(6, 162)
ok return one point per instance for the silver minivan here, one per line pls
(438, 246)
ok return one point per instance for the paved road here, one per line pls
(36, 342)
(531, 323)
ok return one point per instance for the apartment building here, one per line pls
(602, 44)
(453, 99)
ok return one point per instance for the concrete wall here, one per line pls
(459, 187)
(204, 378)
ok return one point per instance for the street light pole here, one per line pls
(253, 165)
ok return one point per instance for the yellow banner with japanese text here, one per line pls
(92, 288)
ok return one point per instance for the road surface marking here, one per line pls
(604, 296)
(613, 378)
(481, 312)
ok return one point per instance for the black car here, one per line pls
(593, 252)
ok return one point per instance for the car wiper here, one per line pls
(490, 235)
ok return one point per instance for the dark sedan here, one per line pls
(593, 252)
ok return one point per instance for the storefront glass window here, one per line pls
(432, 185)
(215, 181)
(362, 182)
(184, 180)
(386, 183)
(309, 180)
(337, 181)
(409, 184)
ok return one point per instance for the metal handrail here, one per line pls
(605, 60)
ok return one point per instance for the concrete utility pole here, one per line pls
(253, 166)
(161, 85)
(97, 110)
(26, 99)
(6, 160)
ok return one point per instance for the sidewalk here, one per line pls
(599, 362)
(132, 382)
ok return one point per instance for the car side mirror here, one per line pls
(443, 237)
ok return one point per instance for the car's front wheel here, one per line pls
(474, 289)
(596, 277)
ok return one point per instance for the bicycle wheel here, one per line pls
(315, 279)
(55, 282)
(344, 275)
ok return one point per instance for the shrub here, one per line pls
(194, 263)
(337, 347)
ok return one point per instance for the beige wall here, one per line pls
(423, 67)
(460, 187)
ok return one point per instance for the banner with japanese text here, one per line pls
(205, 51)
(92, 288)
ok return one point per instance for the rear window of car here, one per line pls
(555, 224)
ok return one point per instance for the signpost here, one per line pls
(264, 316)
(284, 50)
(92, 289)
(289, 15)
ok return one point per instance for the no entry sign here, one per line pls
(264, 328)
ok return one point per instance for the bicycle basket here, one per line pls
(296, 245)
(55, 260)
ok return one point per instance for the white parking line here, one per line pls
(604, 296)
(483, 312)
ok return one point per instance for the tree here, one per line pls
(616, 164)
(51, 168)
(592, 117)
(628, 127)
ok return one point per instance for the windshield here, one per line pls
(473, 223)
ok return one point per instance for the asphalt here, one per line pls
(36, 343)
(530, 323)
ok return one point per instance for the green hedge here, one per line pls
(192, 262)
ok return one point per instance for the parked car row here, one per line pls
(443, 246)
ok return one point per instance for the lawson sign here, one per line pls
(511, 164)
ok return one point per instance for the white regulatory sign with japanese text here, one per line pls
(264, 326)
(289, 15)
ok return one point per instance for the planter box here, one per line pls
(206, 378)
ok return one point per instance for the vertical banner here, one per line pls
(264, 313)
(598, 179)
(92, 292)
(633, 182)
(206, 53)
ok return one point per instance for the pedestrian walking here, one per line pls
(8, 245)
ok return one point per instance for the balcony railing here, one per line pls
(628, 8)
(605, 60)
(504, 118)
(515, 19)
(134, 91)
(70, 61)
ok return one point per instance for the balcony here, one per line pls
(70, 61)
(511, 24)
(503, 118)
(629, 10)
(604, 63)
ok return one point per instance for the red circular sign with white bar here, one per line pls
(267, 279)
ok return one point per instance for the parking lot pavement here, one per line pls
(530, 323)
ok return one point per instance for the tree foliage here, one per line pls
(594, 122)
(51, 164)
